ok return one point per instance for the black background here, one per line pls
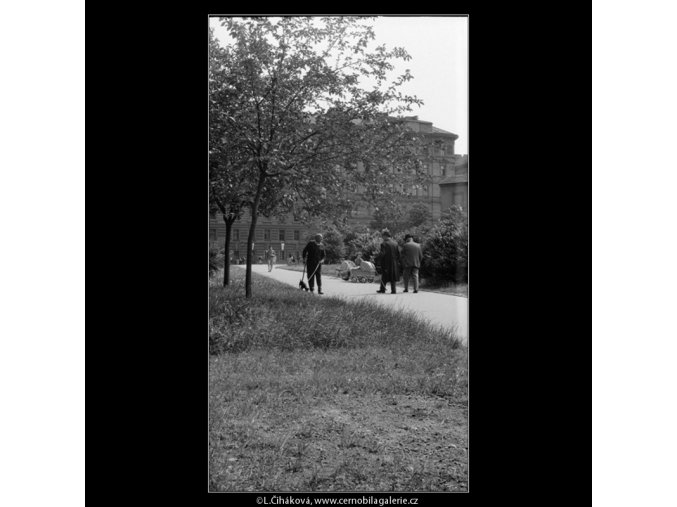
(530, 246)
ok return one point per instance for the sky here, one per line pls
(439, 50)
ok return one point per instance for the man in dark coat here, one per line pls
(389, 260)
(411, 262)
(313, 256)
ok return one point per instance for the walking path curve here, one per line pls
(445, 310)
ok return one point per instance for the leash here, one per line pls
(316, 268)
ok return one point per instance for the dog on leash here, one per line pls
(302, 284)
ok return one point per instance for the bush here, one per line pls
(388, 216)
(333, 246)
(420, 234)
(399, 219)
(216, 259)
(445, 251)
(419, 214)
(365, 244)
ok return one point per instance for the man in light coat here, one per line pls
(411, 262)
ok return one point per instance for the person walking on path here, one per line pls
(272, 258)
(389, 259)
(313, 257)
(411, 262)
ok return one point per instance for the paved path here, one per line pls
(438, 309)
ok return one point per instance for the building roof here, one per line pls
(459, 178)
(428, 124)
(463, 162)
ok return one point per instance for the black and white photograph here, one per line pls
(335, 174)
(338, 253)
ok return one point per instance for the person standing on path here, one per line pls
(313, 257)
(411, 262)
(389, 259)
(272, 258)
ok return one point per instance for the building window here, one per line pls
(212, 234)
(266, 235)
(296, 235)
(281, 234)
(443, 169)
(237, 234)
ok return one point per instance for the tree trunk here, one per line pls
(250, 237)
(226, 262)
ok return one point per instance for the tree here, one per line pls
(310, 138)
(228, 161)
(231, 166)
(333, 245)
(445, 251)
(394, 217)
(387, 216)
(419, 214)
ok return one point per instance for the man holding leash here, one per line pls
(313, 257)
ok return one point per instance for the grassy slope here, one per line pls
(311, 393)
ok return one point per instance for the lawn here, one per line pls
(310, 394)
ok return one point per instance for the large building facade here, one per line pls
(448, 186)
(454, 185)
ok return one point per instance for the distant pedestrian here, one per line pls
(313, 257)
(389, 260)
(411, 262)
(271, 256)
